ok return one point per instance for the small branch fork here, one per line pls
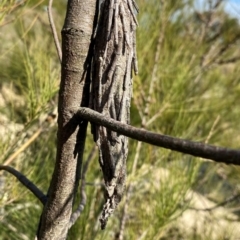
(218, 154)
(197, 149)
(27, 183)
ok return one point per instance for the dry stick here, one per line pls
(13, 8)
(197, 149)
(204, 27)
(224, 48)
(129, 191)
(157, 115)
(124, 215)
(154, 75)
(212, 129)
(22, 13)
(221, 51)
(20, 38)
(23, 147)
(230, 60)
(229, 200)
(54, 31)
(113, 151)
(26, 182)
(82, 204)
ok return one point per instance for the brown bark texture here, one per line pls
(111, 91)
(73, 93)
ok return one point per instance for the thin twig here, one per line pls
(154, 76)
(26, 182)
(137, 104)
(124, 214)
(197, 149)
(229, 200)
(157, 115)
(20, 38)
(49, 120)
(135, 161)
(54, 31)
(11, 9)
(231, 60)
(23, 147)
(83, 202)
(212, 129)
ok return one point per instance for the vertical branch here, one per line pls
(114, 59)
(74, 89)
(83, 202)
(54, 31)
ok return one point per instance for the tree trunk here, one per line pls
(74, 92)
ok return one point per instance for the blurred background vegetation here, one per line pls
(188, 87)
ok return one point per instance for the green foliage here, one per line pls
(188, 86)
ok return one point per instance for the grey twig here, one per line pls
(26, 182)
(54, 31)
(82, 204)
(197, 149)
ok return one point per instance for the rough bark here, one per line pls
(114, 58)
(74, 92)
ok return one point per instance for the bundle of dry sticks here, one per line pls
(111, 90)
